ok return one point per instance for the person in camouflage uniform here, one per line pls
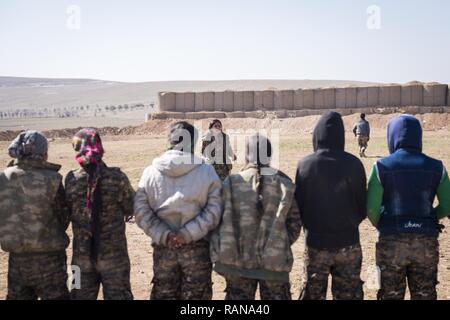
(411, 256)
(101, 200)
(331, 195)
(260, 222)
(216, 148)
(178, 203)
(361, 130)
(402, 189)
(33, 221)
(344, 264)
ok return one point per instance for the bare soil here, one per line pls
(135, 149)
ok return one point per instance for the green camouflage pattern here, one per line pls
(33, 276)
(344, 266)
(239, 288)
(183, 273)
(115, 283)
(251, 240)
(33, 212)
(112, 260)
(408, 259)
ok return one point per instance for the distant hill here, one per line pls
(30, 93)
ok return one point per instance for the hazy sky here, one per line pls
(217, 39)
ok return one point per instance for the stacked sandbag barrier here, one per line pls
(424, 97)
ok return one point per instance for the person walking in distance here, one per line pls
(361, 130)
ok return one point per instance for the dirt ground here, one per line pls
(134, 153)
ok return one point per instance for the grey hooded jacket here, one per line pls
(179, 192)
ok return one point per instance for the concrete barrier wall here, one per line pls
(435, 94)
(308, 98)
(394, 95)
(448, 96)
(298, 99)
(228, 101)
(249, 100)
(284, 99)
(391, 95)
(412, 94)
(167, 101)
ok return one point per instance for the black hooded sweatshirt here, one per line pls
(331, 188)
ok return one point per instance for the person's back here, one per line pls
(338, 177)
(331, 195)
(260, 222)
(171, 191)
(178, 203)
(362, 127)
(402, 189)
(33, 221)
(361, 130)
(28, 221)
(101, 200)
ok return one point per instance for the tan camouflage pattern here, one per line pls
(362, 143)
(408, 259)
(344, 266)
(247, 240)
(33, 276)
(213, 150)
(113, 260)
(239, 288)
(115, 283)
(33, 211)
(183, 273)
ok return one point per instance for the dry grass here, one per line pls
(134, 153)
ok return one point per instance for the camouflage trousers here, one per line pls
(33, 276)
(362, 143)
(182, 274)
(112, 272)
(223, 170)
(408, 258)
(343, 264)
(239, 288)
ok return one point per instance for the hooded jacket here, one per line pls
(331, 188)
(179, 192)
(402, 186)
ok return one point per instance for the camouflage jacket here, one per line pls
(117, 204)
(254, 245)
(33, 212)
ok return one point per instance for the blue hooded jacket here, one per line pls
(410, 180)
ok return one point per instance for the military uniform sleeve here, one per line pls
(443, 195)
(374, 197)
(146, 218)
(127, 198)
(354, 129)
(293, 222)
(61, 207)
(208, 219)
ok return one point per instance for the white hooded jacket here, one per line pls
(179, 192)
